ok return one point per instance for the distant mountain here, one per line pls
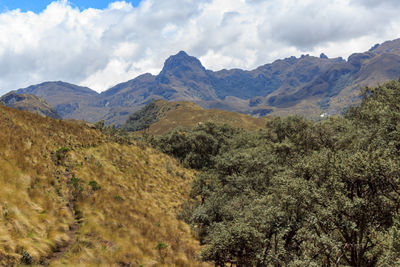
(307, 85)
(30, 103)
(338, 87)
(70, 101)
(183, 78)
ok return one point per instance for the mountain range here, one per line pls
(307, 85)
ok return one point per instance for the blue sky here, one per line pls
(39, 5)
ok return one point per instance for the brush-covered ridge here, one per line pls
(160, 116)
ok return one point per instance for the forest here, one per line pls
(301, 192)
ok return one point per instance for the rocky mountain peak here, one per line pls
(181, 63)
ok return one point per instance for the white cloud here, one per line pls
(100, 48)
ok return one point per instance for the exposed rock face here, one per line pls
(30, 103)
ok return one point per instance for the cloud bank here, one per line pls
(100, 48)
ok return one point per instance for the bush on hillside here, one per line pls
(60, 155)
(142, 119)
(196, 148)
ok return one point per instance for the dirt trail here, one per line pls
(73, 228)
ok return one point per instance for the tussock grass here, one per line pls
(121, 221)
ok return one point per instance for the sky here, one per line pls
(102, 43)
(38, 6)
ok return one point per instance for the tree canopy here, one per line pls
(301, 193)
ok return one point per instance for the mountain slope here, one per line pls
(70, 196)
(30, 103)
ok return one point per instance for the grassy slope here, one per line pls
(121, 223)
(187, 114)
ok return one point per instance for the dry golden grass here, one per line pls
(120, 224)
(187, 114)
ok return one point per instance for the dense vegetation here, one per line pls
(301, 193)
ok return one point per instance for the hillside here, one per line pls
(303, 85)
(30, 103)
(71, 196)
(159, 117)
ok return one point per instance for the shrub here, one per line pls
(77, 188)
(26, 258)
(94, 185)
(75, 181)
(161, 247)
(118, 198)
(61, 154)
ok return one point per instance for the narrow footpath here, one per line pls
(73, 228)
